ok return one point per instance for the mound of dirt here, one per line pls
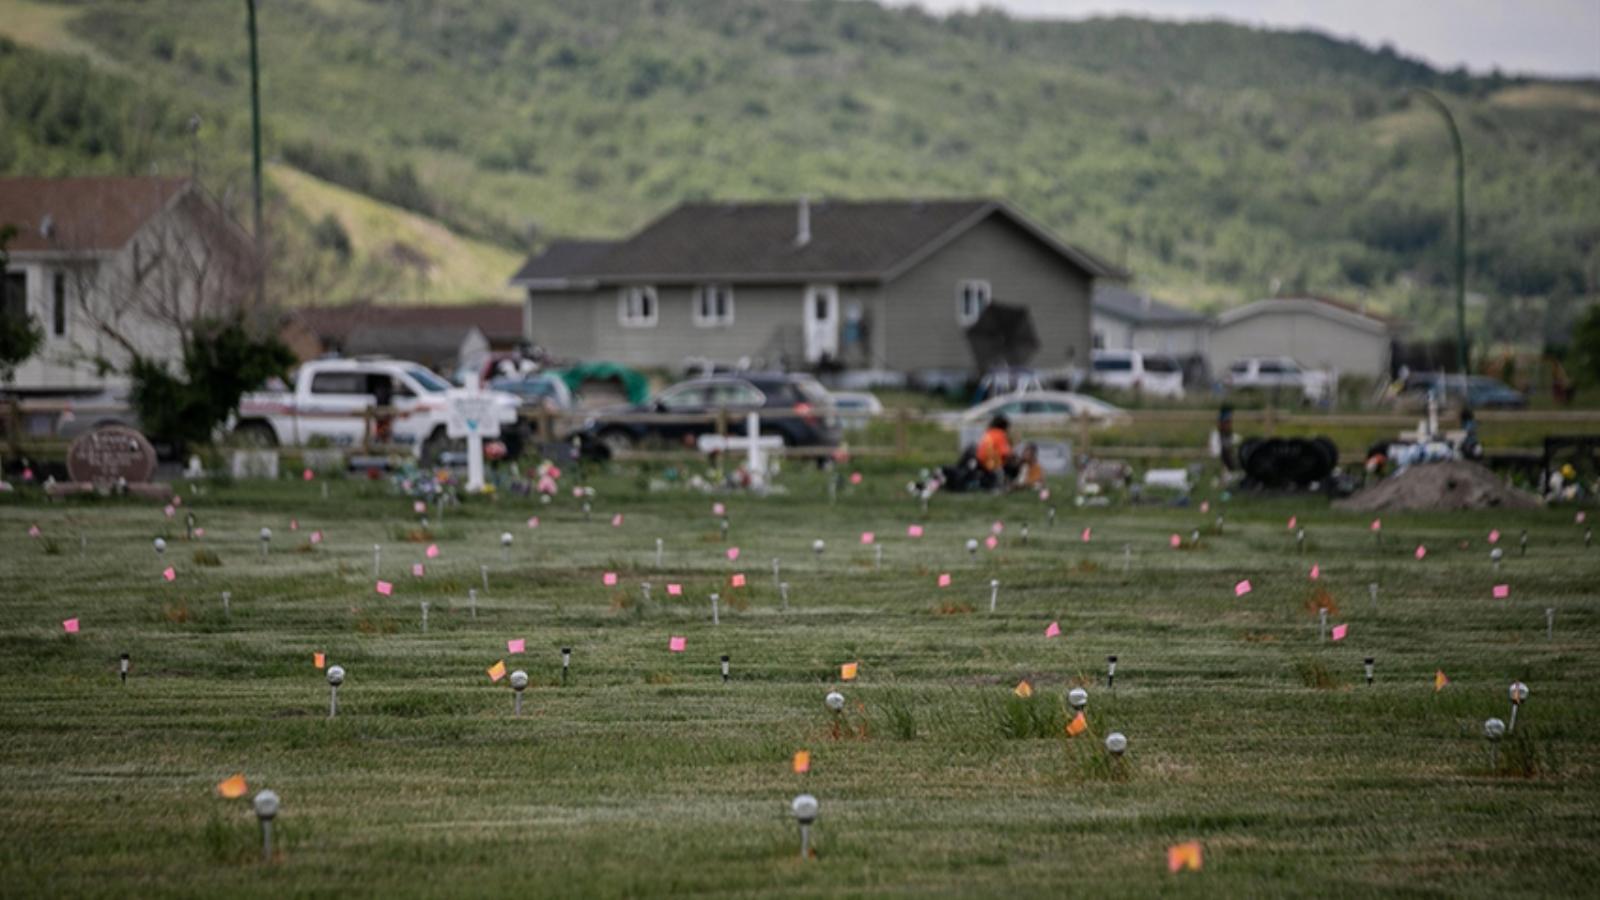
(1440, 486)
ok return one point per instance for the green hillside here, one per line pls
(1217, 162)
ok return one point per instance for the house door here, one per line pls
(822, 322)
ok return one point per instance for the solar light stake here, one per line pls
(1194, 538)
(660, 546)
(644, 588)
(775, 566)
(188, 525)
(377, 557)
(716, 619)
(588, 510)
(472, 601)
(724, 527)
(1372, 593)
(1300, 540)
(1024, 534)
(124, 670)
(1322, 620)
(1219, 523)
(519, 682)
(724, 668)
(972, 547)
(484, 571)
(424, 617)
(1127, 558)
(817, 547)
(1369, 663)
(1111, 671)
(1524, 542)
(161, 546)
(877, 556)
(335, 678)
(566, 663)
(1050, 517)
(1588, 537)
(1116, 744)
(1078, 698)
(1519, 693)
(505, 549)
(994, 593)
(783, 593)
(1494, 557)
(1493, 730)
(805, 812)
(1550, 623)
(266, 539)
(227, 613)
(266, 807)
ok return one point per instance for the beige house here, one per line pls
(110, 266)
(1316, 332)
(884, 285)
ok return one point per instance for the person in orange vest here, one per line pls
(994, 453)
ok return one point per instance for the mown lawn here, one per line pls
(647, 775)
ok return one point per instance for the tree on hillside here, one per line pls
(20, 333)
(1586, 346)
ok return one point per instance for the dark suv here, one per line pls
(806, 418)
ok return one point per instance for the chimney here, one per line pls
(802, 235)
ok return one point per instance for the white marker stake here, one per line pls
(424, 617)
(335, 678)
(1524, 542)
(805, 812)
(775, 579)
(484, 571)
(377, 558)
(519, 681)
(644, 588)
(1127, 558)
(266, 807)
(324, 490)
(994, 593)
(724, 527)
(783, 592)
(1550, 623)
(1050, 517)
(1372, 592)
(227, 613)
(1588, 537)
(1322, 620)
(588, 510)
(1300, 540)
(266, 538)
(877, 556)
(1024, 534)
(472, 600)
(660, 546)
(715, 618)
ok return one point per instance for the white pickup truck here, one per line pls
(329, 400)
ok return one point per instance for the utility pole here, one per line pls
(255, 148)
(1461, 226)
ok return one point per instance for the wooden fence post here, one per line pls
(902, 433)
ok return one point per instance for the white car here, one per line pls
(1134, 370)
(855, 409)
(1274, 373)
(1039, 410)
(330, 401)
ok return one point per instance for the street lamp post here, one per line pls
(1461, 225)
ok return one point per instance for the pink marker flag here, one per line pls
(616, 521)
(294, 524)
(674, 590)
(70, 626)
(416, 569)
(733, 553)
(533, 522)
(717, 509)
(419, 507)
(1175, 542)
(1292, 521)
(609, 579)
(914, 531)
(1339, 631)
(991, 542)
(33, 531)
(998, 527)
(1242, 588)
(169, 510)
(944, 580)
(1053, 630)
(199, 532)
(1044, 494)
(1421, 551)
(1579, 517)
(577, 492)
(170, 574)
(1494, 536)
(1087, 534)
(868, 537)
(855, 477)
(1502, 591)
(737, 580)
(385, 588)
(1377, 524)
(677, 644)
(432, 551)
(308, 475)
(517, 646)
(1316, 571)
(1205, 506)
(316, 537)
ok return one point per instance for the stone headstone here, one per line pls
(255, 464)
(106, 457)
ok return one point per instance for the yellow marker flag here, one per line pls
(802, 761)
(1439, 681)
(1077, 726)
(497, 671)
(233, 788)
(847, 671)
(318, 660)
(1024, 689)
(1185, 856)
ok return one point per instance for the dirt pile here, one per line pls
(1440, 486)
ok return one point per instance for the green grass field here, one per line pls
(647, 775)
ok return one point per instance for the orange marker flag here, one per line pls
(318, 660)
(1439, 681)
(1024, 689)
(802, 762)
(847, 672)
(1184, 856)
(497, 671)
(1077, 726)
(232, 788)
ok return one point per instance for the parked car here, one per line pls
(1478, 391)
(1276, 373)
(542, 391)
(69, 417)
(1039, 410)
(809, 419)
(329, 400)
(1134, 370)
(855, 409)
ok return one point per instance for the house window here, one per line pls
(972, 296)
(58, 308)
(14, 300)
(636, 307)
(713, 305)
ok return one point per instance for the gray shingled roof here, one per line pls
(866, 241)
(560, 260)
(1130, 306)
